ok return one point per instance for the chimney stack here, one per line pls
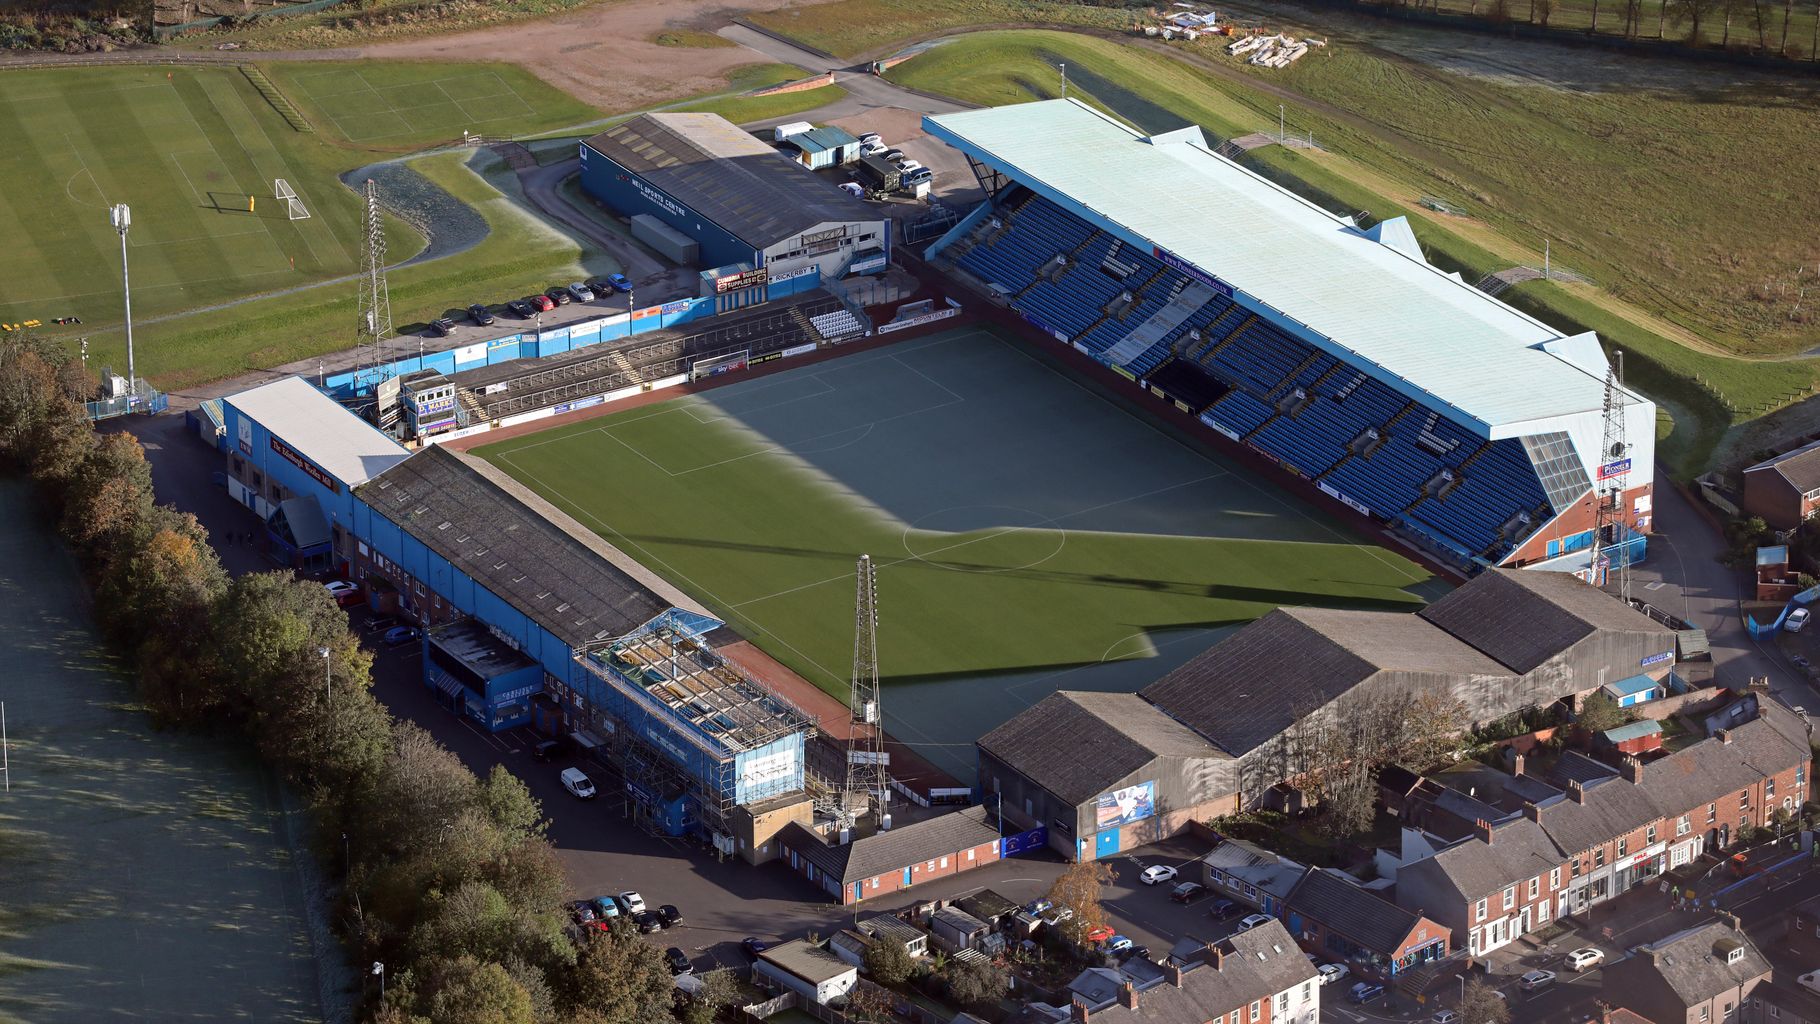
(1483, 829)
(1172, 973)
(1128, 996)
(1576, 792)
(1213, 956)
(1531, 811)
(1516, 764)
(1632, 770)
(1724, 735)
(1078, 1012)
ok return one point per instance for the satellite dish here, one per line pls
(1617, 449)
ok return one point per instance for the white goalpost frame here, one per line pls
(283, 192)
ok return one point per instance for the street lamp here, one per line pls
(379, 971)
(328, 680)
(122, 219)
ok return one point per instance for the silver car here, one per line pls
(581, 292)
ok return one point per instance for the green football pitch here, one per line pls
(185, 148)
(1020, 520)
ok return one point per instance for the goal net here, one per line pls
(284, 193)
(714, 365)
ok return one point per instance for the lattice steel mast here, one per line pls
(1611, 530)
(375, 323)
(868, 773)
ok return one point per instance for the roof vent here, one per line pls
(563, 607)
(543, 594)
(420, 510)
(445, 524)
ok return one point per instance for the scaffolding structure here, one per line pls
(868, 770)
(714, 710)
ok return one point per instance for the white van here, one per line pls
(917, 176)
(577, 783)
(784, 131)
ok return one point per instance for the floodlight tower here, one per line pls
(1613, 471)
(375, 304)
(122, 218)
(867, 771)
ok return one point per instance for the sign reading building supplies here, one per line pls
(1125, 806)
(744, 279)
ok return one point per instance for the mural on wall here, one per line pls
(1126, 806)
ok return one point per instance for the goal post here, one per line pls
(284, 193)
(714, 365)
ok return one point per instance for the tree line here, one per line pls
(449, 879)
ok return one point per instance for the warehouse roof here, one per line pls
(1124, 732)
(722, 173)
(520, 547)
(885, 852)
(1523, 617)
(1383, 306)
(821, 139)
(349, 448)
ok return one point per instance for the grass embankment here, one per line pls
(399, 107)
(1706, 393)
(688, 37)
(519, 256)
(374, 20)
(848, 28)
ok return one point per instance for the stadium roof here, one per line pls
(724, 174)
(1445, 339)
(349, 448)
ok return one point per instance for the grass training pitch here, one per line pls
(402, 105)
(1021, 521)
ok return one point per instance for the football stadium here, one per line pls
(1143, 398)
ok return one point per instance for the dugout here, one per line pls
(738, 199)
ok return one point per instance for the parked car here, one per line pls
(1156, 873)
(541, 303)
(1058, 915)
(1140, 953)
(1809, 981)
(1118, 944)
(669, 915)
(548, 750)
(893, 155)
(631, 901)
(1363, 991)
(1223, 909)
(442, 327)
(343, 592)
(379, 624)
(1100, 934)
(605, 907)
(1585, 958)
(647, 922)
(678, 961)
(916, 176)
(620, 282)
(479, 314)
(559, 296)
(521, 308)
(753, 947)
(1535, 980)
(581, 292)
(399, 635)
(1796, 619)
(908, 165)
(1250, 921)
(871, 148)
(577, 783)
(1038, 907)
(1446, 1017)
(582, 912)
(1332, 973)
(1187, 892)
(869, 138)
(853, 189)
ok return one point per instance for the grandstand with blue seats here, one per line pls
(1466, 427)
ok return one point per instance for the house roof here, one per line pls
(1341, 905)
(1269, 871)
(1573, 766)
(1243, 692)
(821, 139)
(1255, 964)
(1124, 732)
(814, 964)
(986, 905)
(509, 540)
(1802, 1003)
(890, 927)
(722, 173)
(1519, 850)
(1691, 963)
(1801, 467)
(959, 920)
(1702, 773)
(347, 447)
(885, 852)
(1522, 617)
(1612, 808)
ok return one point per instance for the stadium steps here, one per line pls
(470, 406)
(1181, 306)
(624, 366)
(292, 116)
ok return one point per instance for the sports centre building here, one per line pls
(1464, 427)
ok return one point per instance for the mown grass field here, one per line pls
(1019, 520)
(404, 106)
(185, 148)
(1635, 209)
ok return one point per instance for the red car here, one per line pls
(542, 303)
(1100, 934)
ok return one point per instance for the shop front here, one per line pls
(1639, 867)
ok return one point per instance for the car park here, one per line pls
(398, 636)
(678, 961)
(1535, 980)
(1364, 991)
(577, 783)
(1796, 619)
(559, 296)
(669, 915)
(442, 327)
(521, 308)
(541, 303)
(581, 292)
(1585, 958)
(1157, 873)
(1187, 892)
(1251, 921)
(1223, 908)
(1332, 973)
(479, 314)
(752, 947)
(632, 902)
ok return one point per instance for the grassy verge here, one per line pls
(742, 109)
(848, 28)
(1704, 393)
(520, 256)
(351, 25)
(689, 37)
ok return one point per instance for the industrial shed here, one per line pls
(737, 198)
(885, 862)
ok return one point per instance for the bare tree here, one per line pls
(1542, 9)
(1692, 13)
